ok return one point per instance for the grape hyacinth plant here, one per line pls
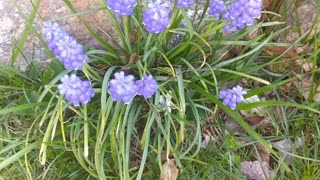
(75, 90)
(64, 46)
(151, 88)
(232, 97)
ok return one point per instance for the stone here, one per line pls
(305, 17)
(98, 20)
(11, 28)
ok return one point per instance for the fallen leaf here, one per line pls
(132, 58)
(306, 84)
(256, 170)
(207, 138)
(307, 66)
(263, 154)
(254, 120)
(286, 146)
(258, 151)
(169, 171)
(234, 128)
(254, 111)
(291, 53)
(206, 141)
(290, 58)
(267, 4)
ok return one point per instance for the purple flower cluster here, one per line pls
(239, 14)
(184, 3)
(216, 8)
(122, 7)
(156, 18)
(232, 97)
(242, 13)
(75, 90)
(64, 46)
(123, 87)
(147, 86)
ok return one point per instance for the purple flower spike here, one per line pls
(122, 7)
(232, 97)
(75, 90)
(216, 8)
(64, 46)
(70, 53)
(156, 18)
(183, 3)
(242, 13)
(122, 87)
(147, 87)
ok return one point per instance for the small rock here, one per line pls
(256, 170)
(306, 16)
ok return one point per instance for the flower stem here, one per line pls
(126, 32)
(86, 132)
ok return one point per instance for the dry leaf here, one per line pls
(287, 145)
(306, 84)
(307, 66)
(254, 120)
(253, 111)
(267, 4)
(258, 151)
(169, 171)
(263, 154)
(291, 53)
(207, 139)
(256, 170)
(290, 57)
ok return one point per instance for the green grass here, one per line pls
(44, 137)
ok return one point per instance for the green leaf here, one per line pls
(17, 155)
(247, 106)
(21, 107)
(26, 31)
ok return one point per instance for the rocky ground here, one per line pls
(12, 25)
